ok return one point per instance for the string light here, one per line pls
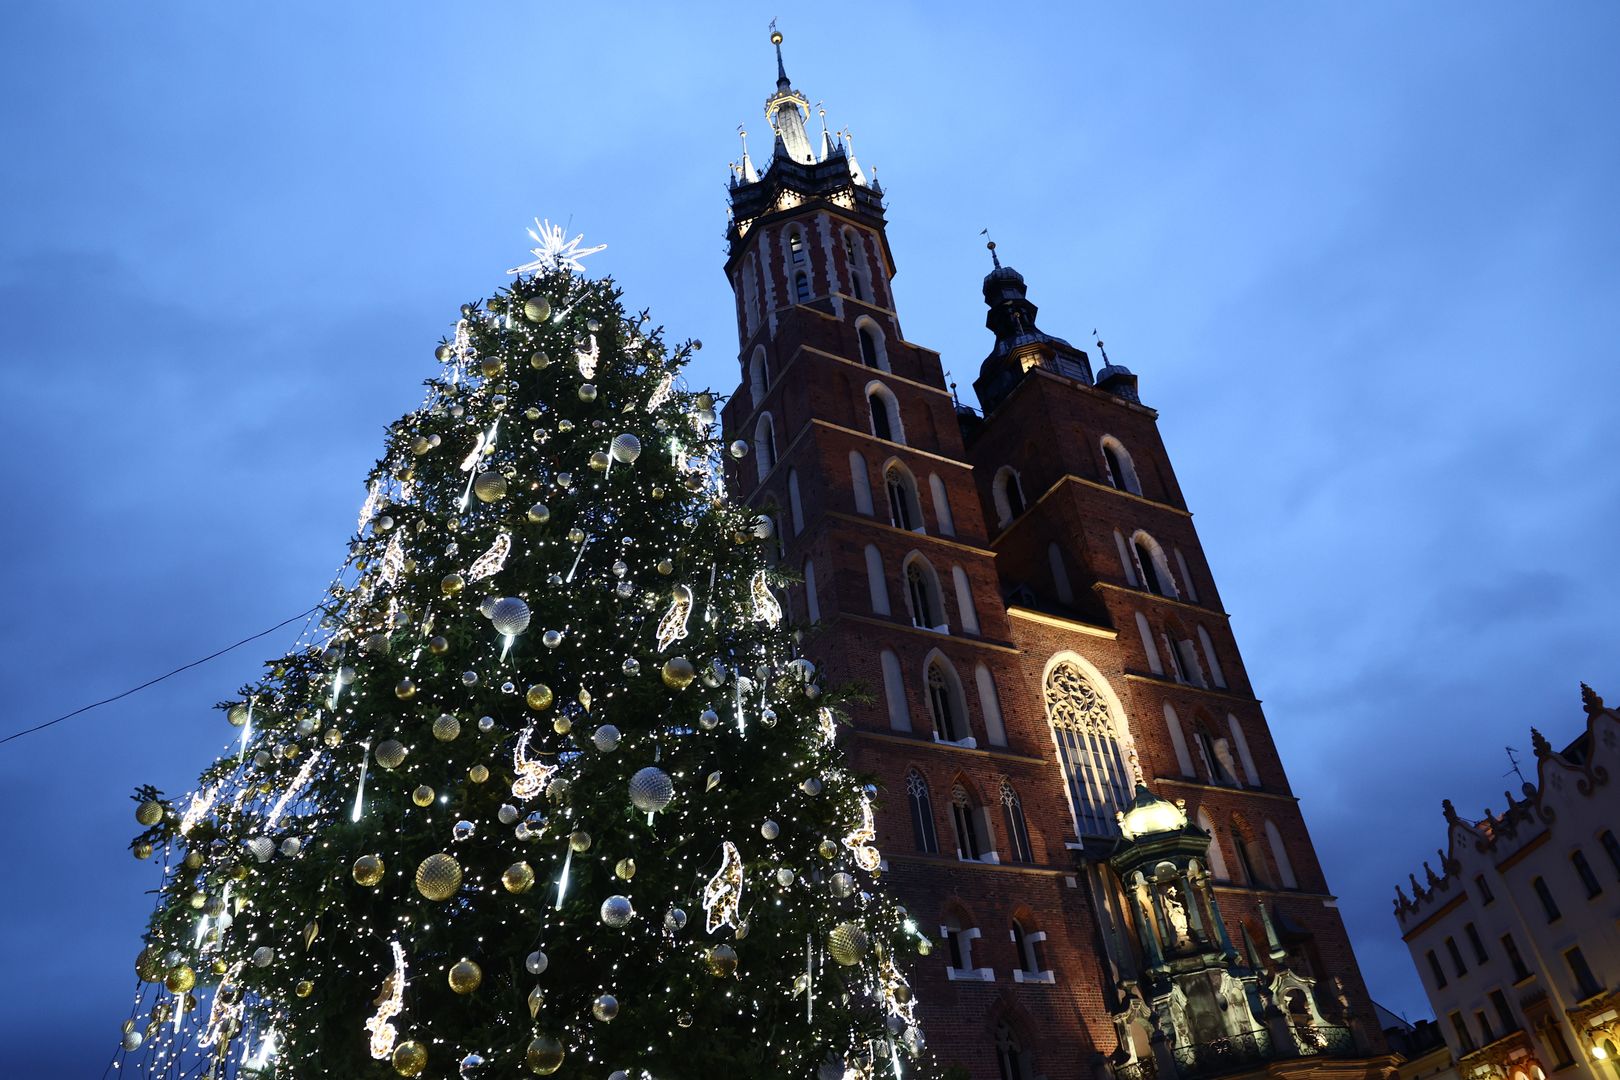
(723, 894)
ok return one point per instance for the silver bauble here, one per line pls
(811, 786)
(626, 448)
(709, 720)
(507, 814)
(651, 789)
(842, 884)
(509, 615)
(263, 956)
(606, 738)
(587, 391)
(536, 962)
(605, 1008)
(539, 513)
(674, 919)
(770, 830)
(739, 449)
(616, 911)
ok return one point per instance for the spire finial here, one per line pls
(781, 72)
(1100, 347)
(990, 245)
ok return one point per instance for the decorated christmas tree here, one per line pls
(548, 790)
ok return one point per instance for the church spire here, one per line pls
(787, 110)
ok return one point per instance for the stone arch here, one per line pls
(883, 410)
(872, 343)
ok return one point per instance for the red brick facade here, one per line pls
(1016, 592)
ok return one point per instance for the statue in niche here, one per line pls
(1177, 914)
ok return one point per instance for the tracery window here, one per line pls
(922, 813)
(1017, 829)
(949, 723)
(1088, 750)
(963, 816)
(923, 593)
(904, 509)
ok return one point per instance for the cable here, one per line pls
(160, 678)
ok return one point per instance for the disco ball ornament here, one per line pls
(438, 877)
(537, 309)
(368, 870)
(262, 847)
(465, 977)
(843, 884)
(625, 869)
(539, 697)
(770, 830)
(409, 1058)
(446, 727)
(651, 789)
(617, 912)
(580, 841)
(149, 812)
(390, 753)
(605, 1008)
(545, 1055)
(739, 449)
(847, 944)
(536, 963)
(478, 774)
(764, 527)
(626, 448)
(490, 487)
(721, 961)
(678, 673)
(238, 714)
(606, 738)
(509, 615)
(518, 878)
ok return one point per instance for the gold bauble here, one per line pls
(438, 644)
(478, 774)
(465, 977)
(304, 988)
(518, 878)
(491, 366)
(446, 727)
(149, 965)
(180, 979)
(540, 359)
(924, 947)
(657, 493)
(390, 753)
(217, 964)
(149, 812)
(197, 900)
(847, 944)
(562, 725)
(827, 849)
(600, 461)
(678, 673)
(580, 841)
(721, 961)
(368, 870)
(422, 796)
(422, 445)
(665, 567)
(545, 1056)
(451, 584)
(143, 850)
(405, 690)
(626, 869)
(539, 697)
(537, 309)
(438, 877)
(490, 487)
(539, 513)
(194, 860)
(410, 1058)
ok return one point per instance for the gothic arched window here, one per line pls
(922, 813)
(1017, 829)
(1088, 750)
(796, 246)
(765, 445)
(853, 258)
(869, 351)
(885, 412)
(1121, 469)
(971, 843)
(945, 704)
(1152, 567)
(1011, 1060)
(801, 286)
(905, 511)
(1008, 493)
(874, 353)
(922, 594)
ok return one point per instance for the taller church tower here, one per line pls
(1080, 801)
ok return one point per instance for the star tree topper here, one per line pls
(555, 252)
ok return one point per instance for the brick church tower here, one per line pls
(1024, 596)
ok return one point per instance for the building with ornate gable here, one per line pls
(1081, 803)
(1517, 936)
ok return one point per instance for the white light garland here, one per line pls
(766, 608)
(492, 561)
(392, 1004)
(859, 840)
(294, 788)
(723, 894)
(532, 776)
(672, 627)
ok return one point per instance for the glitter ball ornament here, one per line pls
(536, 963)
(478, 774)
(539, 514)
(180, 979)
(438, 877)
(490, 487)
(539, 697)
(625, 869)
(465, 977)
(422, 796)
(580, 841)
(537, 309)
(626, 448)
(651, 789)
(390, 753)
(410, 1058)
(847, 944)
(446, 727)
(616, 911)
(518, 878)
(545, 1055)
(721, 961)
(368, 870)
(606, 738)
(509, 615)
(605, 1008)
(262, 847)
(237, 714)
(678, 673)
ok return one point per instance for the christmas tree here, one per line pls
(548, 791)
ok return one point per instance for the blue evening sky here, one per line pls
(1363, 257)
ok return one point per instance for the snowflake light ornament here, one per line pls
(555, 252)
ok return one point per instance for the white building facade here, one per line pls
(1517, 939)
